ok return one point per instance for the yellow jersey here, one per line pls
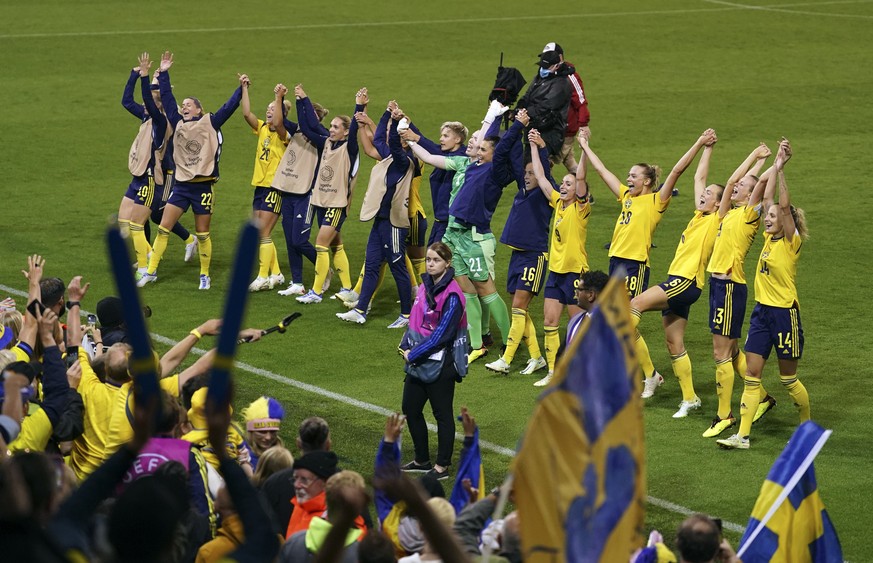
(695, 247)
(268, 154)
(733, 241)
(98, 397)
(36, 430)
(567, 251)
(120, 430)
(632, 237)
(415, 206)
(777, 271)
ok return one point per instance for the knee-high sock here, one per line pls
(124, 227)
(552, 342)
(749, 405)
(682, 370)
(204, 246)
(724, 386)
(530, 337)
(486, 317)
(410, 271)
(644, 357)
(418, 264)
(739, 361)
(498, 310)
(158, 249)
(341, 264)
(274, 260)
(798, 393)
(474, 319)
(140, 244)
(265, 257)
(322, 266)
(636, 316)
(516, 334)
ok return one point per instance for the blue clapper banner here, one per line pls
(789, 522)
(580, 474)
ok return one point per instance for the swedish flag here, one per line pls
(469, 468)
(798, 530)
(580, 473)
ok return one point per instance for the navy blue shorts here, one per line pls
(682, 293)
(727, 307)
(775, 326)
(437, 230)
(331, 217)
(267, 199)
(141, 190)
(417, 230)
(527, 271)
(197, 195)
(562, 287)
(636, 274)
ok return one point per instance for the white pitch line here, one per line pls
(362, 24)
(382, 411)
(781, 8)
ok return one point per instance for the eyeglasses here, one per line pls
(304, 481)
(583, 288)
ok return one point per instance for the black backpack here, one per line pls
(508, 84)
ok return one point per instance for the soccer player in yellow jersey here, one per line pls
(775, 320)
(685, 279)
(267, 203)
(740, 212)
(641, 211)
(567, 255)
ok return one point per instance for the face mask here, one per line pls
(544, 72)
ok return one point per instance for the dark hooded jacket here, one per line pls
(547, 101)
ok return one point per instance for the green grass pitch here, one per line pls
(656, 74)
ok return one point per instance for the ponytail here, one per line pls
(800, 222)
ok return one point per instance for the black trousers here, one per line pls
(441, 394)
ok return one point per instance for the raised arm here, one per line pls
(582, 190)
(788, 226)
(361, 100)
(427, 144)
(380, 135)
(509, 150)
(278, 121)
(751, 165)
(307, 119)
(171, 108)
(435, 160)
(536, 159)
(760, 193)
(245, 102)
(367, 134)
(702, 171)
(29, 328)
(611, 180)
(127, 96)
(159, 122)
(171, 360)
(666, 191)
(225, 111)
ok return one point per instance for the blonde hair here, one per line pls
(287, 105)
(457, 128)
(12, 320)
(346, 121)
(443, 510)
(652, 172)
(272, 461)
(800, 222)
(321, 112)
(339, 481)
(6, 358)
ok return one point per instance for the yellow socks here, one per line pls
(124, 227)
(341, 264)
(636, 316)
(724, 386)
(643, 356)
(516, 334)
(749, 405)
(140, 244)
(204, 246)
(798, 393)
(530, 337)
(265, 257)
(419, 266)
(682, 370)
(553, 342)
(274, 262)
(158, 249)
(322, 266)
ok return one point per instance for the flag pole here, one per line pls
(786, 490)
(498, 510)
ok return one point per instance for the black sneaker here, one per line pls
(439, 475)
(415, 467)
(487, 340)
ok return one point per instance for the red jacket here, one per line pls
(577, 115)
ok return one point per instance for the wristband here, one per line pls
(71, 304)
(196, 334)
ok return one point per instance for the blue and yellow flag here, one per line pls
(580, 473)
(789, 521)
(469, 468)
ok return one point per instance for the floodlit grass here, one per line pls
(657, 74)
